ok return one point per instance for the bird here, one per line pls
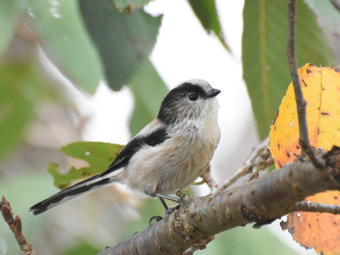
(170, 153)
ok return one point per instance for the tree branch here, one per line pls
(316, 207)
(16, 226)
(260, 201)
(300, 101)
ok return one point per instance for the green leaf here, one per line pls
(99, 156)
(265, 65)
(8, 21)
(21, 88)
(66, 42)
(148, 90)
(124, 41)
(206, 12)
(126, 5)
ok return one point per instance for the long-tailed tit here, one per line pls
(169, 153)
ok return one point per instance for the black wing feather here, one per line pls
(154, 138)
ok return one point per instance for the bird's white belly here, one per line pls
(169, 169)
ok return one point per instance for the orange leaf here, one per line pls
(321, 231)
(321, 91)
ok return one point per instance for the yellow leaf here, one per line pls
(321, 91)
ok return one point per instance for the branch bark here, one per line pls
(260, 201)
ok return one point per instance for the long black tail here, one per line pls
(72, 192)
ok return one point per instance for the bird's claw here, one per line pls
(157, 218)
(168, 212)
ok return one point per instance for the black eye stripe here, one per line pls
(188, 87)
(182, 91)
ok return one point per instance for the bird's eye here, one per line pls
(193, 96)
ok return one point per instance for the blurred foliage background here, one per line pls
(55, 53)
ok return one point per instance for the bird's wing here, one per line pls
(151, 135)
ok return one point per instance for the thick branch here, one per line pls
(16, 226)
(300, 101)
(259, 201)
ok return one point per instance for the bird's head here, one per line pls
(190, 100)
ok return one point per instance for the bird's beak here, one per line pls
(214, 92)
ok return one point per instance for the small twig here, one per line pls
(16, 226)
(206, 176)
(259, 160)
(305, 206)
(300, 101)
(259, 167)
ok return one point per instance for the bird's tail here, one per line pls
(72, 192)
